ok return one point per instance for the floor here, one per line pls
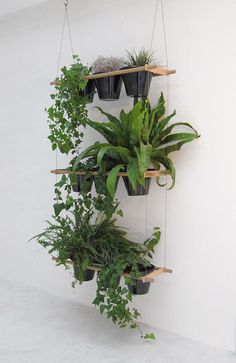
(37, 327)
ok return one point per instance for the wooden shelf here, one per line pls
(147, 174)
(147, 278)
(155, 70)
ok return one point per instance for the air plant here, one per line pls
(144, 56)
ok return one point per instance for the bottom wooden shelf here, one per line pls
(147, 278)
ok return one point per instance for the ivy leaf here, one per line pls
(150, 336)
(120, 213)
(58, 207)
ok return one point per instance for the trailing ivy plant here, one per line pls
(65, 199)
(136, 141)
(90, 239)
(69, 110)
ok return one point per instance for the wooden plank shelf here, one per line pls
(147, 278)
(154, 69)
(147, 174)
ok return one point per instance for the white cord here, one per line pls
(154, 25)
(167, 110)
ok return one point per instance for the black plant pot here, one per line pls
(137, 84)
(109, 88)
(88, 274)
(84, 184)
(140, 287)
(89, 91)
(140, 190)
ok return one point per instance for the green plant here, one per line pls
(68, 111)
(134, 59)
(99, 242)
(137, 140)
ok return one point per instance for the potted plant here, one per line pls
(90, 239)
(89, 91)
(68, 111)
(140, 189)
(82, 183)
(137, 141)
(137, 84)
(108, 88)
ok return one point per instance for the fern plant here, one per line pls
(137, 140)
(95, 240)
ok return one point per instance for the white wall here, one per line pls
(199, 300)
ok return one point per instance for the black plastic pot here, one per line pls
(137, 84)
(108, 88)
(140, 287)
(84, 184)
(140, 190)
(88, 274)
(89, 91)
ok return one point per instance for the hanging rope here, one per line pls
(167, 110)
(146, 212)
(151, 44)
(66, 20)
(69, 27)
(154, 25)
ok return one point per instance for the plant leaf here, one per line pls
(179, 137)
(110, 117)
(111, 179)
(162, 124)
(150, 336)
(85, 153)
(132, 170)
(122, 152)
(176, 147)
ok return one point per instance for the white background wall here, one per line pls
(199, 300)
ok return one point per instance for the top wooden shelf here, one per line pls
(157, 71)
(152, 68)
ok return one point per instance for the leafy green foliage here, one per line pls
(92, 239)
(136, 140)
(69, 110)
(150, 336)
(134, 59)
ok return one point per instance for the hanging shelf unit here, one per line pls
(147, 174)
(147, 278)
(155, 70)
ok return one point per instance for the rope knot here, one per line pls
(66, 3)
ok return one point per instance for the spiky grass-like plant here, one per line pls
(144, 56)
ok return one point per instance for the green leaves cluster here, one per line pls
(88, 239)
(137, 140)
(69, 110)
